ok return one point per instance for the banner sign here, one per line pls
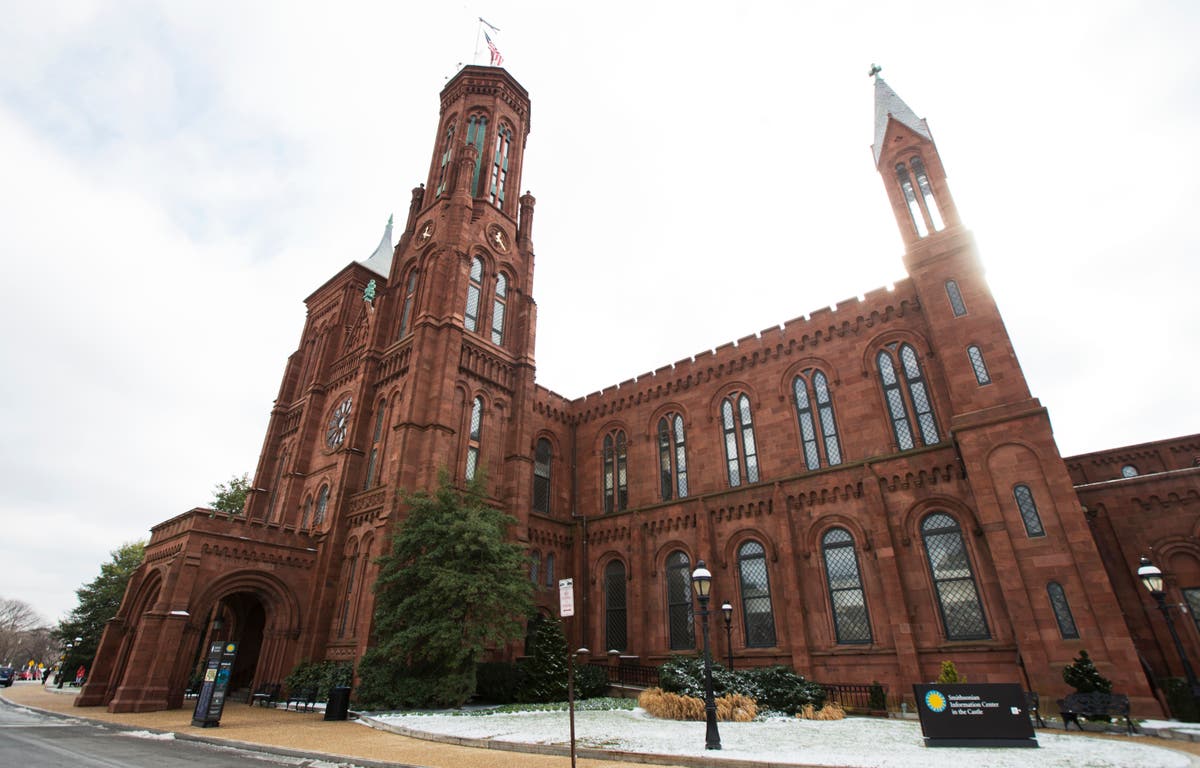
(566, 597)
(974, 715)
(217, 670)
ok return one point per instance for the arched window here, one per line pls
(679, 602)
(616, 475)
(373, 458)
(322, 502)
(956, 299)
(980, 367)
(741, 455)
(910, 199)
(935, 216)
(500, 165)
(444, 168)
(498, 307)
(953, 578)
(1029, 511)
(550, 570)
(918, 395)
(541, 476)
(410, 297)
(1062, 611)
(615, 635)
(307, 515)
(672, 457)
(476, 128)
(474, 290)
(1130, 471)
(351, 563)
(813, 405)
(756, 596)
(473, 437)
(851, 622)
(535, 564)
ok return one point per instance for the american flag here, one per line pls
(497, 59)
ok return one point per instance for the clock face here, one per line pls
(337, 424)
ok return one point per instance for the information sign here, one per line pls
(974, 715)
(566, 597)
(217, 671)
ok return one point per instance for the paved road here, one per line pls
(32, 740)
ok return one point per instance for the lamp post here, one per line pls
(702, 579)
(62, 664)
(727, 609)
(1152, 579)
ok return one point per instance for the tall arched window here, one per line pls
(956, 299)
(373, 458)
(981, 372)
(672, 457)
(615, 634)
(616, 474)
(679, 602)
(444, 168)
(851, 622)
(953, 578)
(322, 503)
(814, 405)
(535, 565)
(307, 515)
(498, 307)
(473, 437)
(1029, 511)
(759, 619)
(935, 216)
(1062, 611)
(350, 566)
(918, 396)
(500, 165)
(476, 128)
(542, 455)
(410, 297)
(741, 454)
(550, 570)
(474, 291)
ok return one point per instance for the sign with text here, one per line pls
(974, 715)
(217, 671)
(566, 597)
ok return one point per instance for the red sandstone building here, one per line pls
(874, 487)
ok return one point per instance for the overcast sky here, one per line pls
(176, 177)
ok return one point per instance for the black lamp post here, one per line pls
(1152, 578)
(727, 609)
(702, 579)
(62, 664)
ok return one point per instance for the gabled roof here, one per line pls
(889, 106)
(380, 262)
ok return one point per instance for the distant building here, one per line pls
(873, 486)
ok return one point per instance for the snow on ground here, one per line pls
(854, 742)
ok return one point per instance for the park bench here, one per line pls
(1094, 705)
(267, 695)
(301, 697)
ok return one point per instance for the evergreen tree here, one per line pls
(231, 497)
(452, 586)
(949, 674)
(1084, 677)
(545, 668)
(99, 600)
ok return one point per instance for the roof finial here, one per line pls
(875, 70)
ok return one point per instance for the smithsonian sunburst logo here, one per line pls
(935, 700)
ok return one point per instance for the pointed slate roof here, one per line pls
(380, 262)
(889, 106)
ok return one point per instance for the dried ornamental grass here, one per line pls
(831, 711)
(672, 706)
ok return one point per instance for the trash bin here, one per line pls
(338, 705)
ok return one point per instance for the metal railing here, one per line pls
(852, 695)
(629, 674)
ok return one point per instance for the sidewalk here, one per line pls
(304, 734)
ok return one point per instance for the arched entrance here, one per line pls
(239, 617)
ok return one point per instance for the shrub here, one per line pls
(1180, 702)
(672, 706)
(544, 670)
(497, 682)
(831, 711)
(590, 682)
(320, 676)
(1084, 677)
(775, 688)
(949, 674)
(876, 697)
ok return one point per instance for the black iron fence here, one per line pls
(629, 674)
(852, 695)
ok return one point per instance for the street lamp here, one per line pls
(62, 660)
(1152, 578)
(727, 609)
(702, 579)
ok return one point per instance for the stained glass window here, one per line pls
(756, 596)
(851, 622)
(953, 578)
(1062, 611)
(1029, 510)
(679, 602)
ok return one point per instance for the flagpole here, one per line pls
(478, 34)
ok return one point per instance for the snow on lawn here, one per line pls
(854, 742)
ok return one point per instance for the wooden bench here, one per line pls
(302, 697)
(266, 695)
(1094, 705)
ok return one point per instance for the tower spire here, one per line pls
(380, 261)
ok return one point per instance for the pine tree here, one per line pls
(949, 674)
(452, 586)
(545, 668)
(1084, 677)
